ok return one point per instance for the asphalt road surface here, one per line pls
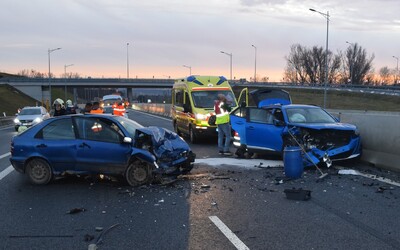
(228, 204)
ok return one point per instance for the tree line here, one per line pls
(353, 66)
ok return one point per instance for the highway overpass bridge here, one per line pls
(39, 88)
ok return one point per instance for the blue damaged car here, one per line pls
(274, 123)
(99, 144)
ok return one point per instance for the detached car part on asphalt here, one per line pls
(275, 123)
(99, 144)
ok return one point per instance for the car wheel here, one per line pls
(192, 136)
(138, 173)
(240, 152)
(39, 172)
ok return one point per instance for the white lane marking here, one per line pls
(244, 163)
(6, 171)
(371, 176)
(156, 116)
(228, 233)
(4, 155)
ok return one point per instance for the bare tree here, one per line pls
(308, 65)
(31, 73)
(357, 63)
(385, 74)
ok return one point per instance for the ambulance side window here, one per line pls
(179, 97)
(187, 107)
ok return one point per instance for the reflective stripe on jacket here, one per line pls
(221, 114)
(119, 110)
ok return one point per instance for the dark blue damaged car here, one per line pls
(274, 123)
(99, 144)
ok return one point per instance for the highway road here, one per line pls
(224, 204)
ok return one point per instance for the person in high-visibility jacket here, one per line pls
(222, 109)
(96, 109)
(119, 109)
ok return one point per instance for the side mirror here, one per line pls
(279, 123)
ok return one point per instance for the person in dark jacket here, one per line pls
(88, 108)
(59, 108)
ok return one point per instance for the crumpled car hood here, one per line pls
(320, 126)
(167, 145)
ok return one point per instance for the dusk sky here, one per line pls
(165, 35)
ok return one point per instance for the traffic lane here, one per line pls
(5, 138)
(6, 133)
(343, 212)
(154, 217)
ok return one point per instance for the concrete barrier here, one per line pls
(380, 135)
(380, 132)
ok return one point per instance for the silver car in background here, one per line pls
(30, 116)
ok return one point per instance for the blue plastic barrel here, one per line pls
(293, 162)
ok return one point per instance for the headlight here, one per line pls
(357, 132)
(37, 120)
(16, 120)
(201, 117)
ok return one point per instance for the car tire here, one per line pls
(138, 173)
(192, 136)
(39, 172)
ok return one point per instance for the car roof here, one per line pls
(32, 107)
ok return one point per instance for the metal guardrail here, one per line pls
(6, 121)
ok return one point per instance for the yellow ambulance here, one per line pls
(193, 104)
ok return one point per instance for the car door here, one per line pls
(56, 142)
(238, 123)
(100, 146)
(260, 131)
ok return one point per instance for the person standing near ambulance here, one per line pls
(222, 109)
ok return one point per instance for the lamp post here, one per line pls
(190, 69)
(48, 53)
(326, 51)
(397, 67)
(230, 55)
(127, 60)
(65, 78)
(351, 66)
(255, 63)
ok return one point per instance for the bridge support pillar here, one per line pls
(129, 94)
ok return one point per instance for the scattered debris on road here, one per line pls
(76, 210)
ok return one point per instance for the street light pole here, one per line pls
(190, 69)
(351, 65)
(397, 67)
(65, 79)
(255, 63)
(326, 52)
(127, 60)
(230, 55)
(48, 53)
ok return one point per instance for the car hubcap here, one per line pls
(139, 174)
(39, 172)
